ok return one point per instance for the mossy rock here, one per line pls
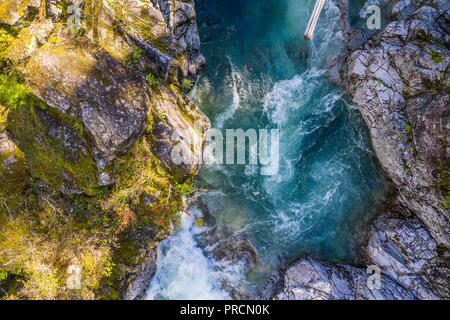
(82, 80)
(13, 174)
(54, 151)
(29, 40)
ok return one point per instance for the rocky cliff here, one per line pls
(92, 104)
(398, 78)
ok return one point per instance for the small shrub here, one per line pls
(136, 54)
(446, 201)
(13, 93)
(187, 84)
(149, 128)
(151, 79)
(3, 275)
(131, 62)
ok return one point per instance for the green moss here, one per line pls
(436, 86)
(421, 35)
(408, 129)
(443, 186)
(174, 88)
(162, 44)
(6, 39)
(446, 201)
(47, 156)
(13, 93)
(436, 56)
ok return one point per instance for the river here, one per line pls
(261, 74)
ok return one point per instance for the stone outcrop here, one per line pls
(408, 257)
(399, 81)
(100, 79)
(12, 11)
(165, 30)
(100, 111)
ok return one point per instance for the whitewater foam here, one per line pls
(183, 271)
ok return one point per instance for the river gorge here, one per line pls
(261, 74)
(109, 109)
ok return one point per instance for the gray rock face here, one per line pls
(399, 82)
(138, 278)
(166, 30)
(138, 282)
(30, 40)
(411, 268)
(406, 252)
(178, 142)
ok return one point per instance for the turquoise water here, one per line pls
(262, 74)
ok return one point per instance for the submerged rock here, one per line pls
(232, 250)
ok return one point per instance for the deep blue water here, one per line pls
(262, 74)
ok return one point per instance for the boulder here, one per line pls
(409, 260)
(80, 79)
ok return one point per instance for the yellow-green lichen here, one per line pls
(45, 155)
